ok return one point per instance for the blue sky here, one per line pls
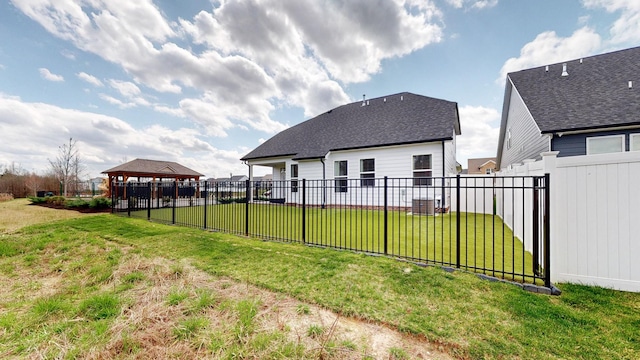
(204, 82)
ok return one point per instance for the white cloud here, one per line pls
(126, 88)
(90, 79)
(480, 130)
(264, 52)
(475, 4)
(103, 140)
(626, 29)
(119, 103)
(47, 75)
(484, 4)
(548, 48)
(68, 54)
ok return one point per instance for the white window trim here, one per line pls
(605, 137)
(367, 181)
(414, 170)
(340, 181)
(294, 179)
(631, 136)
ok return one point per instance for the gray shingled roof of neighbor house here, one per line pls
(594, 94)
(403, 118)
(157, 167)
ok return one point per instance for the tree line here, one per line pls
(63, 177)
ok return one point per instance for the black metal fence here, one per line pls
(498, 226)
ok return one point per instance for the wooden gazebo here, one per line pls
(149, 170)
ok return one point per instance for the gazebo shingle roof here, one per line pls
(157, 168)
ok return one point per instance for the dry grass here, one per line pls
(19, 213)
(149, 327)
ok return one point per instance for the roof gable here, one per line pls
(594, 94)
(395, 119)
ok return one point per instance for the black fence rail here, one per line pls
(498, 226)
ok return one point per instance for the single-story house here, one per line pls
(579, 107)
(398, 136)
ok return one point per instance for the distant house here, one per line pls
(402, 136)
(579, 107)
(481, 165)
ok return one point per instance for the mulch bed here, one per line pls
(86, 210)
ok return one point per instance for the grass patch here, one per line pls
(177, 296)
(101, 306)
(467, 317)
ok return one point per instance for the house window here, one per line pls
(367, 172)
(340, 175)
(605, 144)
(294, 178)
(488, 171)
(422, 170)
(634, 142)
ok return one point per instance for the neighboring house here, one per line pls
(400, 136)
(579, 107)
(481, 166)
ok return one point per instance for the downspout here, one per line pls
(442, 194)
(324, 185)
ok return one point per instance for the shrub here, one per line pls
(76, 204)
(5, 197)
(100, 203)
(37, 200)
(56, 200)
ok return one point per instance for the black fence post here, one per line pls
(246, 207)
(113, 196)
(206, 196)
(175, 198)
(458, 220)
(536, 226)
(149, 194)
(304, 211)
(547, 230)
(128, 203)
(386, 214)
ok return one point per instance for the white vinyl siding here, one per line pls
(526, 140)
(391, 161)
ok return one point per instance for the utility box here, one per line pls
(423, 207)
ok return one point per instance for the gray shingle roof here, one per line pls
(143, 167)
(384, 121)
(595, 94)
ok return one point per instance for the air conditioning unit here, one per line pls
(423, 206)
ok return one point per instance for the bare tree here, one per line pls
(33, 182)
(67, 166)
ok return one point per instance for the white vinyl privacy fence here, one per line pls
(594, 215)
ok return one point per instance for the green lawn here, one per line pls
(486, 244)
(65, 291)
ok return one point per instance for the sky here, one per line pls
(203, 83)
